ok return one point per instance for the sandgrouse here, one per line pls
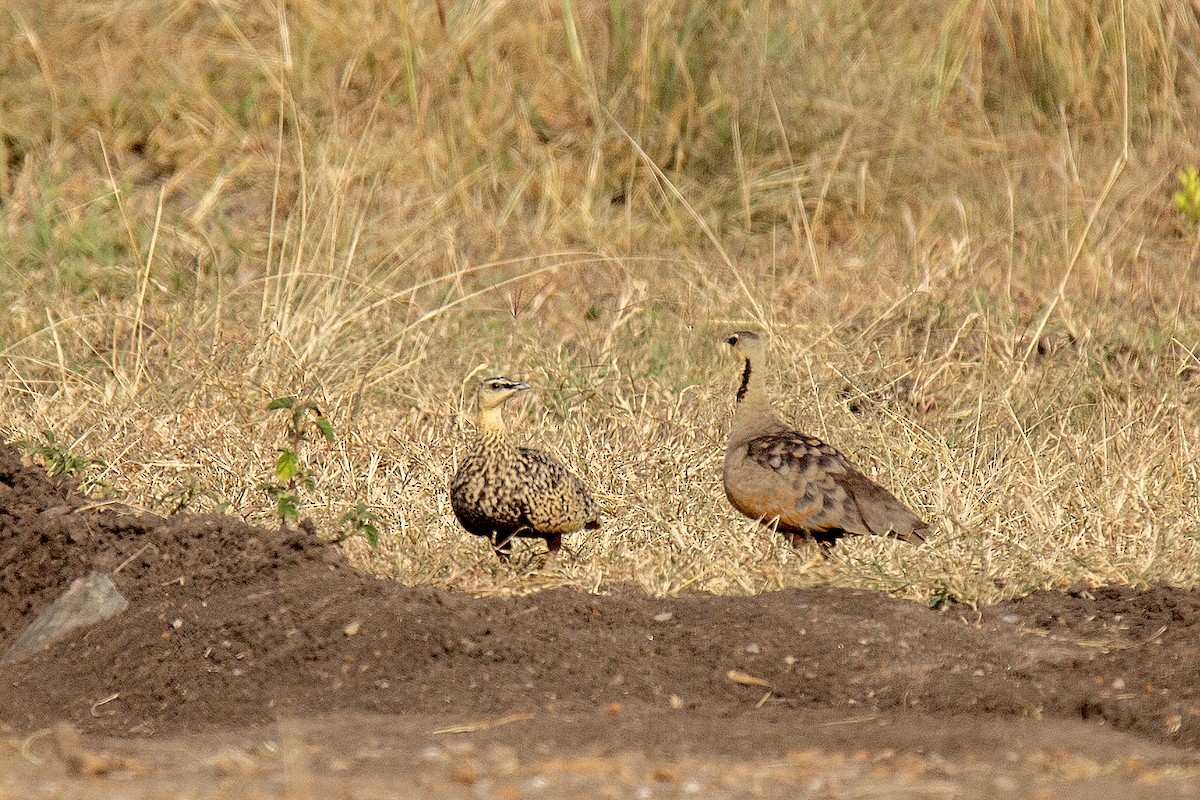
(502, 491)
(796, 482)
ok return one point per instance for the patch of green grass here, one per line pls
(1187, 199)
(71, 250)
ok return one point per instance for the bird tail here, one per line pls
(915, 536)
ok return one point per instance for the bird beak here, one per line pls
(520, 386)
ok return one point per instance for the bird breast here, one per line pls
(487, 487)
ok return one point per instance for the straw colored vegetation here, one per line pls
(955, 220)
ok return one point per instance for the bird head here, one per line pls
(494, 391)
(746, 344)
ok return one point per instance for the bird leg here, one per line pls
(801, 541)
(502, 544)
(554, 543)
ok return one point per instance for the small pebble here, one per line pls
(665, 616)
(1011, 619)
(753, 648)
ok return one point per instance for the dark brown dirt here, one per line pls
(231, 627)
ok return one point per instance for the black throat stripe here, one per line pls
(745, 381)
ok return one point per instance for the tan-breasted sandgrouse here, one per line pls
(502, 491)
(796, 482)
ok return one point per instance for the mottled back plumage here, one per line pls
(800, 484)
(502, 491)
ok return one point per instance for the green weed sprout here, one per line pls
(1187, 199)
(290, 476)
(60, 460)
(359, 521)
(182, 497)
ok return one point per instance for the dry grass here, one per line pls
(957, 226)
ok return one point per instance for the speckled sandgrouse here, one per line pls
(798, 483)
(502, 491)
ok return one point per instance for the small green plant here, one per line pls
(1187, 199)
(181, 498)
(290, 477)
(943, 598)
(60, 460)
(359, 521)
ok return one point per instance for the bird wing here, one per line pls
(791, 477)
(880, 511)
(556, 501)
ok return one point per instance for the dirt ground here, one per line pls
(259, 662)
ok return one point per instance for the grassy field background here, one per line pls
(955, 219)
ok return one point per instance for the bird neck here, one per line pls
(754, 415)
(491, 425)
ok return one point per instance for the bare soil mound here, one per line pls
(231, 625)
